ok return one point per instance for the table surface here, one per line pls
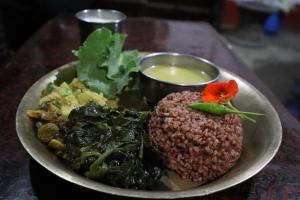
(50, 47)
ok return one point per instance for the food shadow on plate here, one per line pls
(49, 186)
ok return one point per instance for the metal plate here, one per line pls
(261, 141)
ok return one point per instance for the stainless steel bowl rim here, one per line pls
(122, 18)
(141, 59)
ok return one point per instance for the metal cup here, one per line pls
(92, 19)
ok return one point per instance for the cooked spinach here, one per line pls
(111, 145)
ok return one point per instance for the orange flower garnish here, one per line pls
(219, 92)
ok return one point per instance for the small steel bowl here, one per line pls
(91, 19)
(155, 89)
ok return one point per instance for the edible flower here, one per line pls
(215, 99)
(219, 92)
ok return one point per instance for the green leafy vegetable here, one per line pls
(111, 146)
(103, 66)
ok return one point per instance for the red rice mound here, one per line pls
(196, 145)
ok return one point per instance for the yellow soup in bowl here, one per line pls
(177, 74)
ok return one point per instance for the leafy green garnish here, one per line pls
(102, 66)
(111, 145)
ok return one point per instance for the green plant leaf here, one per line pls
(102, 66)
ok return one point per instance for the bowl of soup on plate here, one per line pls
(163, 73)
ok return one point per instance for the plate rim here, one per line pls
(145, 194)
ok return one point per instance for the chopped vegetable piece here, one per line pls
(56, 145)
(47, 132)
(34, 113)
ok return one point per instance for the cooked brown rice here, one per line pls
(196, 145)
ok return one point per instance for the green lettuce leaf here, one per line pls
(103, 66)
